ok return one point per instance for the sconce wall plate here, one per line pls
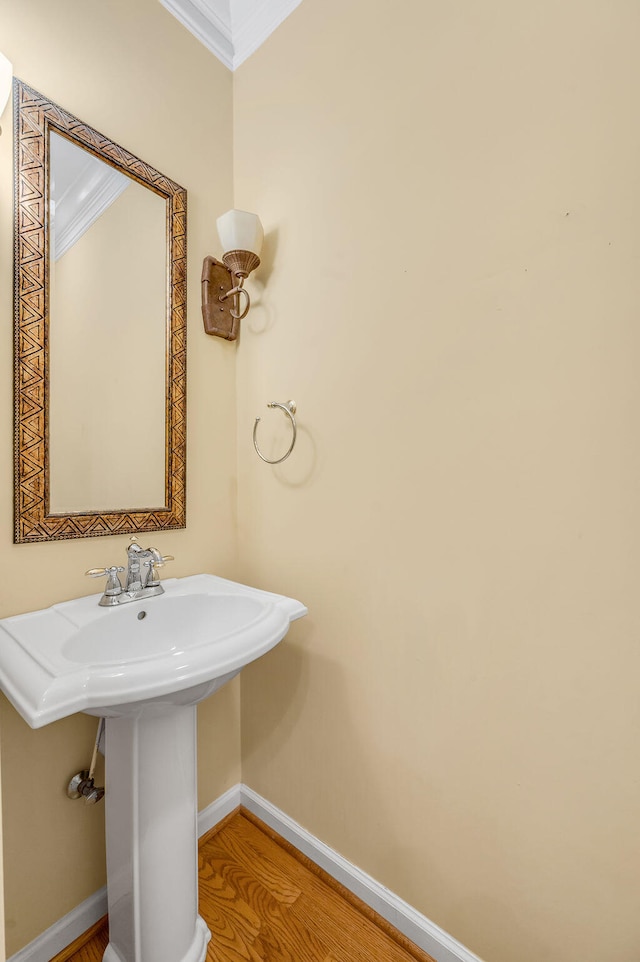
(217, 315)
(225, 300)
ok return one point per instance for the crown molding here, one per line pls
(231, 29)
(208, 26)
(250, 30)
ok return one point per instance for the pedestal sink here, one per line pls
(143, 667)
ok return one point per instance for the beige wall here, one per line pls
(133, 72)
(452, 299)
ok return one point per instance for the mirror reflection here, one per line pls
(107, 310)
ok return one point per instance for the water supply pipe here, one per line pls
(81, 785)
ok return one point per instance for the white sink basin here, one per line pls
(171, 626)
(173, 649)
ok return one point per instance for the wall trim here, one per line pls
(250, 32)
(65, 931)
(219, 809)
(421, 930)
(231, 30)
(208, 27)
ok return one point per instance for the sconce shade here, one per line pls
(6, 73)
(240, 231)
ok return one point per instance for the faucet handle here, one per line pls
(157, 561)
(113, 586)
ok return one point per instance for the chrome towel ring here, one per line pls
(289, 408)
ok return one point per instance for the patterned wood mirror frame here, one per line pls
(34, 117)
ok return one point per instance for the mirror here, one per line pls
(100, 336)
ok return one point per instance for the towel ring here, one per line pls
(289, 408)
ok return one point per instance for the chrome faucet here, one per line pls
(142, 581)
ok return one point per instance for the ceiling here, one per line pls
(231, 29)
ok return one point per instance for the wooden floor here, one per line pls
(265, 902)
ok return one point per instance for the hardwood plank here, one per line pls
(231, 918)
(228, 901)
(282, 937)
(335, 898)
(218, 827)
(345, 936)
(241, 850)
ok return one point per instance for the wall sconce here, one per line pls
(241, 236)
(6, 74)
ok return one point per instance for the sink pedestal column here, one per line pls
(152, 837)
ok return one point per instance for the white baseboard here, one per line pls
(219, 809)
(424, 933)
(65, 931)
